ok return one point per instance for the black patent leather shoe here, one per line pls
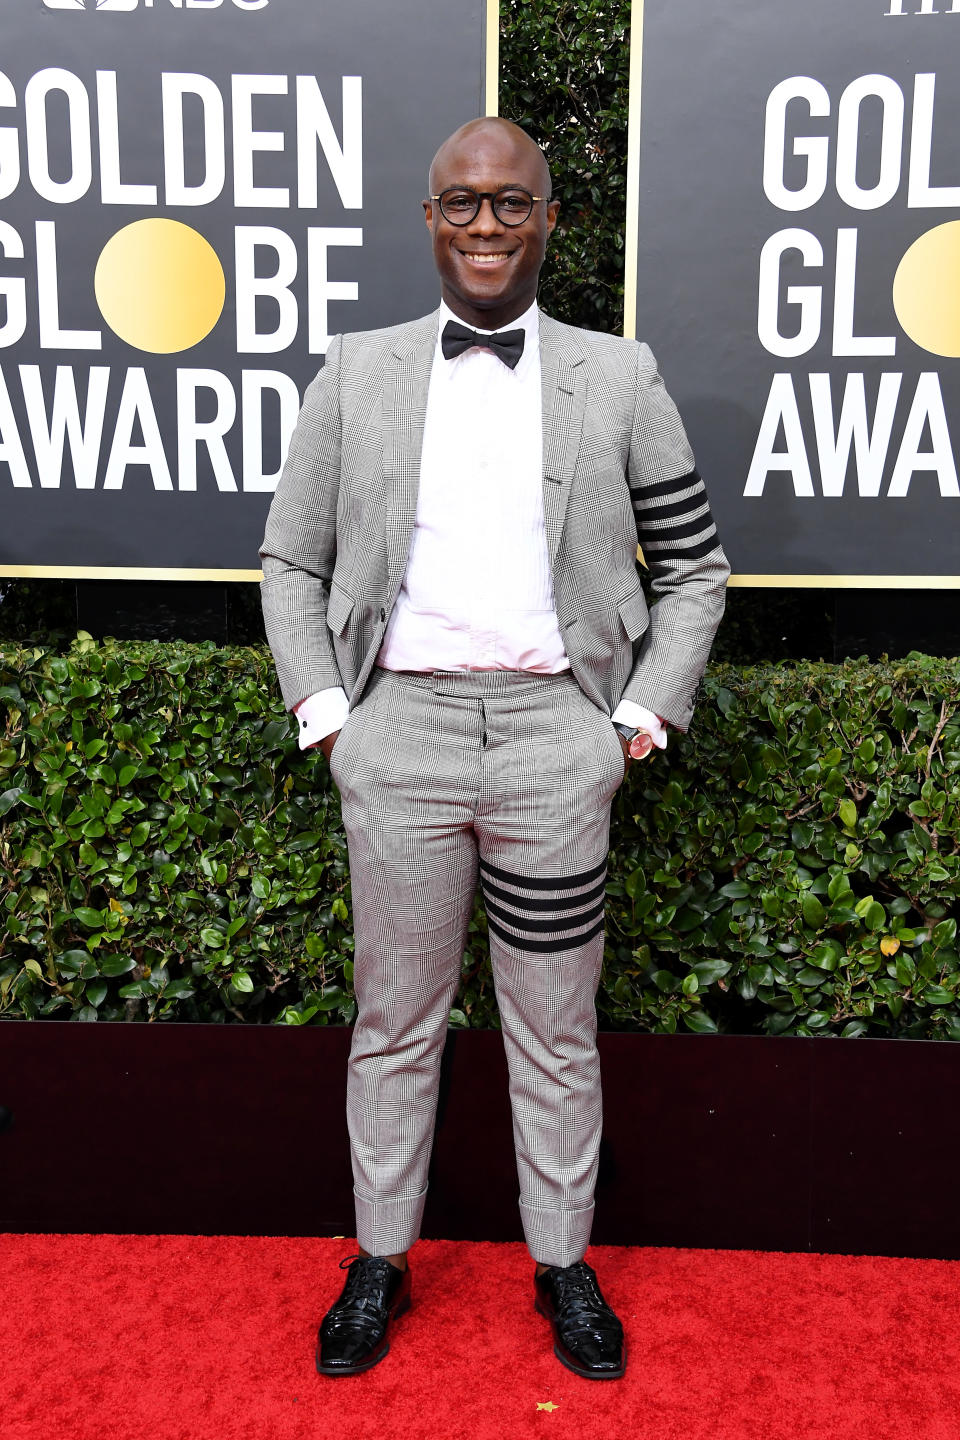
(588, 1337)
(353, 1333)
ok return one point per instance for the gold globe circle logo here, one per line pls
(926, 290)
(160, 285)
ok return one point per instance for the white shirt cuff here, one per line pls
(320, 715)
(628, 712)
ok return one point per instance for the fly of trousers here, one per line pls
(445, 778)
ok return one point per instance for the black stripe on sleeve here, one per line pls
(668, 487)
(667, 512)
(681, 552)
(678, 532)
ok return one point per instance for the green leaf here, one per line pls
(847, 812)
(945, 933)
(826, 956)
(11, 797)
(938, 995)
(178, 990)
(813, 912)
(96, 992)
(330, 999)
(876, 917)
(709, 971)
(241, 981)
(113, 965)
(93, 919)
(635, 884)
(699, 1023)
(135, 990)
(71, 962)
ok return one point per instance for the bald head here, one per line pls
(505, 134)
(489, 265)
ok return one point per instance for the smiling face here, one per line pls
(488, 270)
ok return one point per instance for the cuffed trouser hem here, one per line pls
(388, 1226)
(555, 1236)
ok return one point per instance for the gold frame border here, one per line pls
(491, 68)
(740, 582)
(631, 238)
(121, 572)
(845, 582)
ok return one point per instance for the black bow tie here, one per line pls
(507, 344)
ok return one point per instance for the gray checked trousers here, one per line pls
(508, 775)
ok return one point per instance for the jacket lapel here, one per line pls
(564, 388)
(405, 389)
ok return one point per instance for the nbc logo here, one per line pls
(91, 4)
(149, 4)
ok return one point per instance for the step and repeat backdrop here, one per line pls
(194, 196)
(798, 275)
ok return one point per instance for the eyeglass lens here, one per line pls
(511, 207)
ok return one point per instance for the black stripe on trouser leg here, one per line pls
(544, 927)
(578, 910)
(539, 882)
(547, 947)
(567, 902)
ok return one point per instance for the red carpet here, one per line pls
(186, 1338)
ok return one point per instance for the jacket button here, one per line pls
(383, 613)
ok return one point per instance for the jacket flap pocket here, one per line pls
(633, 613)
(339, 609)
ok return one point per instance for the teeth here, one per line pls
(485, 258)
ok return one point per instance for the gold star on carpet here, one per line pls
(547, 1405)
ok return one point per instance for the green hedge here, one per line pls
(564, 71)
(790, 867)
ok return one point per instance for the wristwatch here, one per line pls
(635, 740)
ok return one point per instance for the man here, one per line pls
(452, 597)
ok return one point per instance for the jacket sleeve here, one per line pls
(681, 550)
(300, 543)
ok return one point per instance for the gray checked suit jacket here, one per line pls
(617, 469)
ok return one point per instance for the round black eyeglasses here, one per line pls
(511, 205)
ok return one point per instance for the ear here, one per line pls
(553, 210)
(428, 214)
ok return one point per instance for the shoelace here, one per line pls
(362, 1302)
(580, 1306)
